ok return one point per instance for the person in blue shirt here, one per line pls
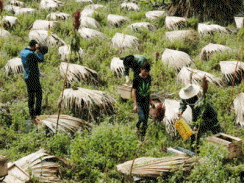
(30, 61)
(135, 62)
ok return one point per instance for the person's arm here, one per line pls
(39, 55)
(134, 99)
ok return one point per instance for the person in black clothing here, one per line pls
(134, 62)
(142, 97)
(30, 61)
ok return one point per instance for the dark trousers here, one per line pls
(216, 128)
(143, 115)
(34, 90)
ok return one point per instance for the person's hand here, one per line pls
(153, 105)
(179, 114)
(195, 129)
(136, 109)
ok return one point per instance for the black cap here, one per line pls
(32, 43)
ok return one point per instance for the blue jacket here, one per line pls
(30, 62)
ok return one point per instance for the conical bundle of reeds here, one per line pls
(184, 77)
(4, 33)
(239, 22)
(14, 65)
(88, 104)
(117, 20)
(211, 49)
(9, 21)
(67, 124)
(44, 25)
(87, 33)
(176, 59)
(84, 1)
(130, 6)
(171, 110)
(16, 3)
(140, 25)
(65, 50)
(117, 66)
(239, 108)
(93, 6)
(228, 69)
(51, 4)
(154, 167)
(122, 41)
(178, 35)
(43, 36)
(222, 10)
(58, 15)
(89, 22)
(152, 15)
(19, 11)
(43, 165)
(205, 29)
(88, 12)
(78, 73)
(172, 22)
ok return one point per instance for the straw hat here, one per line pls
(189, 91)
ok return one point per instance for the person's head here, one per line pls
(128, 60)
(32, 44)
(145, 69)
(189, 93)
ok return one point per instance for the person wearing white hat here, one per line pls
(202, 108)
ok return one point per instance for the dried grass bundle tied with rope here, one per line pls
(222, 10)
(43, 165)
(4, 34)
(179, 35)
(155, 167)
(67, 124)
(9, 21)
(14, 65)
(79, 73)
(205, 29)
(16, 3)
(239, 108)
(117, 20)
(228, 68)
(117, 66)
(141, 25)
(212, 49)
(65, 52)
(172, 22)
(89, 22)
(44, 25)
(176, 59)
(152, 15)
(88, 104)
(184, 77)
(239, 22)
(122, 42)
(58, 15)
(130, 6)
(87, 33)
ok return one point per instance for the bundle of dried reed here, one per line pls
(67, 124)
(155, 167)
(14, 65)
(77, 73)
(184, 77)
(176, 59)
(211, 49)
(228, 69)
(89, 104)
(172, 22)
(117, 20)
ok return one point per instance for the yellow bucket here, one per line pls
(183, 128)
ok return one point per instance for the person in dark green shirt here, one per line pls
(202, 108)
(135, 62)
(142, 97)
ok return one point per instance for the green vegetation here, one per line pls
(94, 155)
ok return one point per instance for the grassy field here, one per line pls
(94, 155)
